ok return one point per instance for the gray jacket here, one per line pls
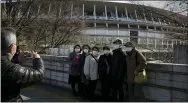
(91, 68)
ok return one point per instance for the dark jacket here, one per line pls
(15, 57)
(81, 63)
(75, 70)
(103, 65)
(14, 77)
(118, 64)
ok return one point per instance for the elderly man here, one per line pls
(136, 63)
(14, 76)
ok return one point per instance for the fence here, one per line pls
(166, 81)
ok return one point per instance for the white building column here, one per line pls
(145, 17)
(136, 15)
(116, 12)
(167, 43)
(71, 9)
(106, 13)
(94, 13)
(172, 43)
(83, 14)
(126, 13)
(162, 44)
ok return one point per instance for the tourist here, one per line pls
(136, 63)
(118, 71)
(105, 65)
(14, 76)
(81, 62)
(74, 72)
(91, 72)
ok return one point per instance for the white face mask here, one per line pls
(77, 50)
(95, 53)
(86, 50)
(128, 49)
(116, 46)
(106, 52)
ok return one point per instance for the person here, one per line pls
(74, 72)
(105, 65)
(91, 72)
(118, 70)
(14, 76)
(15, 57)
(136, 63)
(81, 62)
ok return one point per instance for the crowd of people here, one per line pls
(115, 70)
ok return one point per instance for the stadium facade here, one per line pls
(107, 21)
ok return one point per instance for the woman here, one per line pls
(105, 65)
(91, 72)
(81, 62)
(74, 72)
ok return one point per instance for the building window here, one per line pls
(134, 26)
(112, 25)
(151, 27)
(99, 25)
(143, 27)
(123, 26)
(158, 28)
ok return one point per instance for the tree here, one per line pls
(44, 23)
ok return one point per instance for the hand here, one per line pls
(87, 77)
(35, 55)
(24, 56)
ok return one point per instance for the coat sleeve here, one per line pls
(141, 60)
(86, 66)
(25, 76)
(100, 66)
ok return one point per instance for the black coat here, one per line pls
(81, 63)
(14, 77)
(103, 65)
(118, 64)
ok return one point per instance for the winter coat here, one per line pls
(91, 68)
(103, 60)
(81, 63)
(118, 64)
(135, 61)
(14, 77)
(73, 69)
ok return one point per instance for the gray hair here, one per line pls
(8, 37)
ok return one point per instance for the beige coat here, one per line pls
(131, 65)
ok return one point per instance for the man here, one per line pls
(136, 63)
(15, 57)
(14, 76)
(118, 70)
(105, 65)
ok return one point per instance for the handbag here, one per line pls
(142, 76)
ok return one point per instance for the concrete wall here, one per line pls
(166, 82)
(181, 54)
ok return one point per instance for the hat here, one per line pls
(118, 41)
(128, 44)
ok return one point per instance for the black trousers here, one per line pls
(82, 89)
(117, 90)
(105, 86)
(90, 89)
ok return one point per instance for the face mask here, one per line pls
(77, 50)
(86, 50)
(95, 53)
(116, 46)
(128, 49)
(106, 52)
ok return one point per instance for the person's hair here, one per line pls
(77, 45)
(106, 48)
(85, 45)
(8, 37)
(95, 48)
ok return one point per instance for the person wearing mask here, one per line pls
(81, 62)
(91, 72)
(105, 65)
(15, 57)
(136, 63)
(118, 70)
(74, 72)
(14, 77)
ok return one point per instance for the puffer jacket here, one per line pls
(14, 77)
(118, 65)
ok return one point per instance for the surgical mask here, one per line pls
(77, 50)
(86, 50)
(95, 53)
(106, 51)
(128, 49)
(116, 46)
